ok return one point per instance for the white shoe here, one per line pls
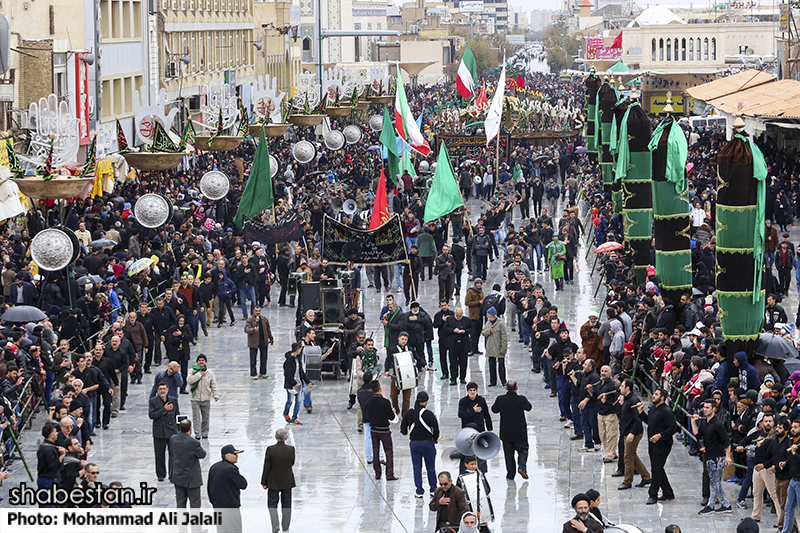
(568, 424)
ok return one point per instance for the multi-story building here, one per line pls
(198, 42)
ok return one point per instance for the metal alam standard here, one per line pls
(592, 128)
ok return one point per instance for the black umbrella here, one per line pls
(542, 158)
(581, 150)
(772, 346)
(791, 365)
(23, 314)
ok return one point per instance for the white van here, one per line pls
(714, 120)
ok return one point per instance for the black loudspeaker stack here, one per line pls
(333, 306)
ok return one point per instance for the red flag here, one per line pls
(520, 81)
(617, 41)
(380, 208)
(482, 100)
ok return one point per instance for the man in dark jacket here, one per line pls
(225, 484)
(22, 292)
(277, 479)
(444, 267)
(457, 329)
(472, 409)
(438, 323)
(449, 502)
(390, 369)
(513, 429)
(661, 426)
(422, 429)
(283, 262)
(631, 431)
(163, 411)
(381, 415)
(49, 458)
(294, 379)
(184, 466)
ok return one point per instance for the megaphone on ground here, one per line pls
(482, 445)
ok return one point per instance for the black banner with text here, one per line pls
(382, 246)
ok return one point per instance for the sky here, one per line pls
(530, 5)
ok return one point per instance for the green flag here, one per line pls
(257, 195)
(444, 196)
(517, 173)
(407, 165)
(389, 140)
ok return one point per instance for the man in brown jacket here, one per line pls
(277, 479)
(258, 336)
(770, 244)
(473, 300)
(139, 336)
(592, 342)
(449, 502)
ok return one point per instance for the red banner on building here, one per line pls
(597, 50)
(82, 98)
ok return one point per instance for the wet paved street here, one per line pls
(335, 485)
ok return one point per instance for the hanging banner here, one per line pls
(4, 151)
(286, 230)
(82, 97)
(385, 245)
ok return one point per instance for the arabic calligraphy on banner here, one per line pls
(385, 245)
(596, 49)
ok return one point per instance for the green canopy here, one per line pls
(619, 66)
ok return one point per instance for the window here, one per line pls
(675, 49)
(699, 50)
(661, 49)
(121, 19)
(653, 50)
(306, 44)
(705, 49)
(669, 49)
(683, 49)
(118, 95)
(60, 75)
(713, 49)
(691, 49)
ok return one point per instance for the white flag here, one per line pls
(495, 114)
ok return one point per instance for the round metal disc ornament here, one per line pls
(274, 166)
(334, 140)
(352, 134)
(152, 210)
(376, 123)
(304, 152)
(214, 185)
(52, 249)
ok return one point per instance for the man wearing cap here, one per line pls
(203, 386)
(391, 370)
(225, 484)
(496, 346)
(582, 523)
(422, 429)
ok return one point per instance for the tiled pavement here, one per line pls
(334, 483)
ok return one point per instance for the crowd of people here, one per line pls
(105, 328)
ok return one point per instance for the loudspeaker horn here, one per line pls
(482, 445)
(337, 204)
(349, 207)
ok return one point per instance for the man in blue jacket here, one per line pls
(742, 370)
(225, 484)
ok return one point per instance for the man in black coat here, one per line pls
(163, 411)
(277, 479)
(381, 415)
(184, 466)
(513, 429)
(457, 329)
(472, 409)
(661, 426)
(438, 324)
(225, 484)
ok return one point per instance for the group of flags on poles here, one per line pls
(444, 196)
